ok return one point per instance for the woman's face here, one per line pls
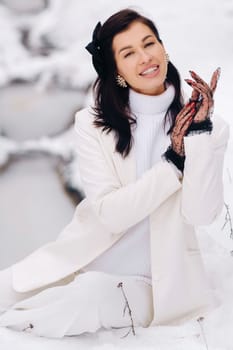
(140, 59)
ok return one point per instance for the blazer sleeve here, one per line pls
(119, 207)
(202, 187)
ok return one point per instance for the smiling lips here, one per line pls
(150, 71)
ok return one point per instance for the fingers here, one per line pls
(198, 79)
(180, 130)
(200, 88)
(210, 89)
(184, 118)
(184, 124)
(206, 93)
(214, 79)
(185, 110)
(195, 95)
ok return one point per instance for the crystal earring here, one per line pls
(121, 81)
(167, 57)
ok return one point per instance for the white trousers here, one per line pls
(91, 301)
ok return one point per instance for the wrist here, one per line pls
(172, 156)
(200, 126)
(179, 150)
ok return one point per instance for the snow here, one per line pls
(198, 36)
(37, 113)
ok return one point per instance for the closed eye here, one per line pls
(150, 43)
(146, 45)
(128, 54)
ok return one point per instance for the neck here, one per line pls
(151, 104)
(159, 91)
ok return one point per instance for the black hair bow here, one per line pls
(94, 48)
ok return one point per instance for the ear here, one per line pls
(118, 72)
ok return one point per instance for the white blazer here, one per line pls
(116, 200)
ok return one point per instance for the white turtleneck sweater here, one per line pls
(131, 254)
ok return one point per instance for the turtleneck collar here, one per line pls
(147, 104)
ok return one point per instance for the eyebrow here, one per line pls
(130, 47)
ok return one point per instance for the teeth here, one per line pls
(149, 70)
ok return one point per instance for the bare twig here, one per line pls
(200, 321)
(228, 220)
(120, 285)
(30, 326)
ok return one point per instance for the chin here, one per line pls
(154, 89)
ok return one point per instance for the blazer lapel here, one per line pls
(124, 168)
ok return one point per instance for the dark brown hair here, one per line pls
(111, 108)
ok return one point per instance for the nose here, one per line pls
(144, 57)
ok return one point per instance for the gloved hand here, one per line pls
(182, 123)
(203, 94)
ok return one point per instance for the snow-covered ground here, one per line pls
(198, 36)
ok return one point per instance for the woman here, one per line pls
(152, 171)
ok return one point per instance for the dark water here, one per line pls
(34, 206)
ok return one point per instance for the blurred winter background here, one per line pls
(45, 76)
